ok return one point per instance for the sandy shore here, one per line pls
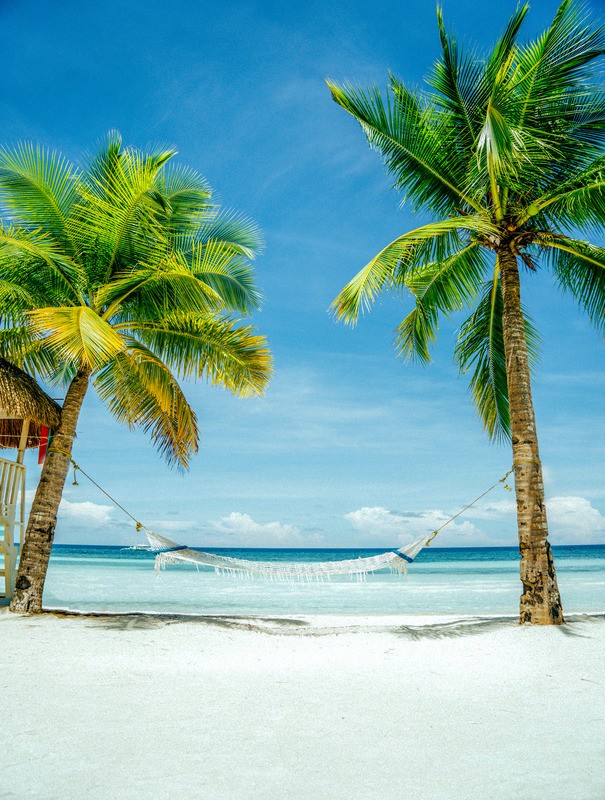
(136, 707)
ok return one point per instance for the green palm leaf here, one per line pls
(140, 392)
(461, 86)
(441, 287)
(16, 299)
(25, 351)
(562, 58)
(577, 201)
(35, 258)
(404, 255)
(152, 289)
(480, 348)
(579, 268)
(220, 350)
(122, 215)
(227, 273)
(414, 141)
(187, 196)
(39, 188)
(233, 228)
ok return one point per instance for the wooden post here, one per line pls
(23, 441)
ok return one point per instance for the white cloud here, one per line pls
(93, 515)
(571, 519)
(402, 527)
(574, 520)
(241, 530)
(86, 522)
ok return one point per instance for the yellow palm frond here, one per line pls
(77, 334)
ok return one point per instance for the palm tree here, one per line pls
(506, 153)
(125, 274)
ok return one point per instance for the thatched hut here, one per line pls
(24, 410)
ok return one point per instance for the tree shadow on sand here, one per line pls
(290, 626)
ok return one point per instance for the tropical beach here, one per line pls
(301, 439)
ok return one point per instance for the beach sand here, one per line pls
(431, 709)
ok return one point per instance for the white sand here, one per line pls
(130, 708)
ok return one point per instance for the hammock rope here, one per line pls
(168, 552)
(476, 500)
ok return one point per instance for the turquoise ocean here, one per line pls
(458, 581)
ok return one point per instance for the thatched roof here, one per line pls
(21, 397)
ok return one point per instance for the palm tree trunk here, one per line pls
(40, 532)
(540, 602)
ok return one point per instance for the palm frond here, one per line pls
(35, 258)
(408, 252)
(140, 392)
(232, 228)
(505, 48)
(472, 91)
(77, 334)
(414, 141)
(19, 346)
(149, 291)
(577, 201)
(38, 187)
(558, 61)
(417, 332)
(16, 298)
(187, 196)
(441, 287)
(103, 162)
(227, 273)
(122, 212)
(579, 268)
(219, 349)
(480, 347)
(460, 82)
(498, 142)
(587, 122)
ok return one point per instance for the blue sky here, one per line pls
(350, 446)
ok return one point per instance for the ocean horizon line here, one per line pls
(383, 548)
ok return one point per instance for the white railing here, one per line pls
(12, 521)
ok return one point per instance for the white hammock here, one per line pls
(168, 552)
